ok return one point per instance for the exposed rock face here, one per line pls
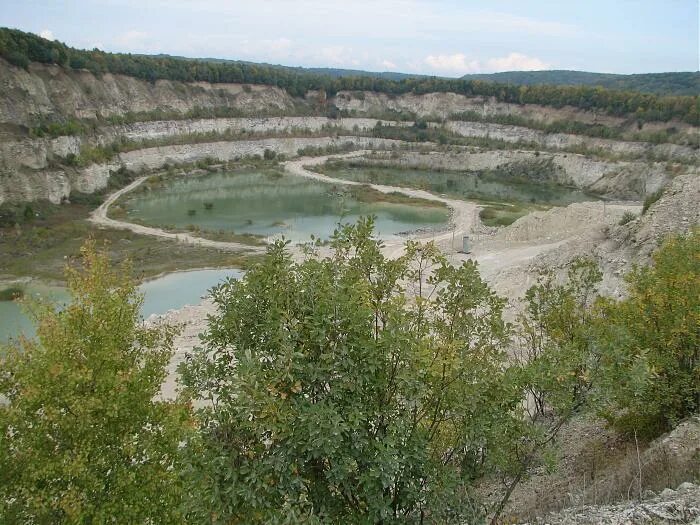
(681, 506)
(563, 140)
(677, 211)
(150, 158)
(170, 128)
(618, 247)
(444, 105)
(36, 168)
(47, 91)
(615, 179)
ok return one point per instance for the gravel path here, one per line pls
(100, 218)
(464, 214)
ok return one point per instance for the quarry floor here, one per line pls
(507, 256)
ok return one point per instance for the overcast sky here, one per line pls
(444, 37)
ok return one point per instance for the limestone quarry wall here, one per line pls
(516, 134)
(445, 105)
(621, 179)
(49, 91)
(56, 185)
(35, 168)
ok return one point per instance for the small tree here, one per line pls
(557, 340)
(652, 342)
(557, 364)
(335, 396)
(81, 439)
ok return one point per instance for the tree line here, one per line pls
(20, 48)
(346, 389)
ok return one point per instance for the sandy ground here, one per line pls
(506, 258)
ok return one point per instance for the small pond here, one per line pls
(463, 185)
(270, 205)
(173, 290)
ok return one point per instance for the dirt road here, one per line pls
(464, 213)
(100, 218)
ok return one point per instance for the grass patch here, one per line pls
(43, 247)
(366, 193)
(225, 236)
(628, 216)
(11, 293)
(502, 214)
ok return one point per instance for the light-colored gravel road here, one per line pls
(100, 218)
(464, 213)
(504, 259)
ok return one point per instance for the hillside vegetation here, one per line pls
(367, 389)
(680, 83)
(20, 48)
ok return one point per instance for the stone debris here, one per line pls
(680, 506)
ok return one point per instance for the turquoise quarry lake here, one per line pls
(173, 290)
(270, 205)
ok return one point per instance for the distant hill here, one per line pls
(326, 71)
(685, 83)
(21, 49)
(675, 83)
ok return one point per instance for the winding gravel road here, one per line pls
(464, 213)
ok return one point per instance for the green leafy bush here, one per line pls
(652, 342)
(81, 438)
(350, 403)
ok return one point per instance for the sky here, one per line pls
(441, 37)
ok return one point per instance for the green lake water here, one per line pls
(463, 185)
(165, 293)
(270, 205)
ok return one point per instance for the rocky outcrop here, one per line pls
(676, 211)
(614, 179)
(150, 158)
(51, 185)
(516, 134)
(50, 92)
(169, 128)
(670, 507)
(618, 247)
(446, 105)
(18, 153)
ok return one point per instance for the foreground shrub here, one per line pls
(652, 342)
(81, 439)
(334, 397)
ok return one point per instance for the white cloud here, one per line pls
(389, 65)
(335, 55)
(456, 63)
(271, 49)
(133, 39)
(516, 62)
(47, 34)
(460, 64)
